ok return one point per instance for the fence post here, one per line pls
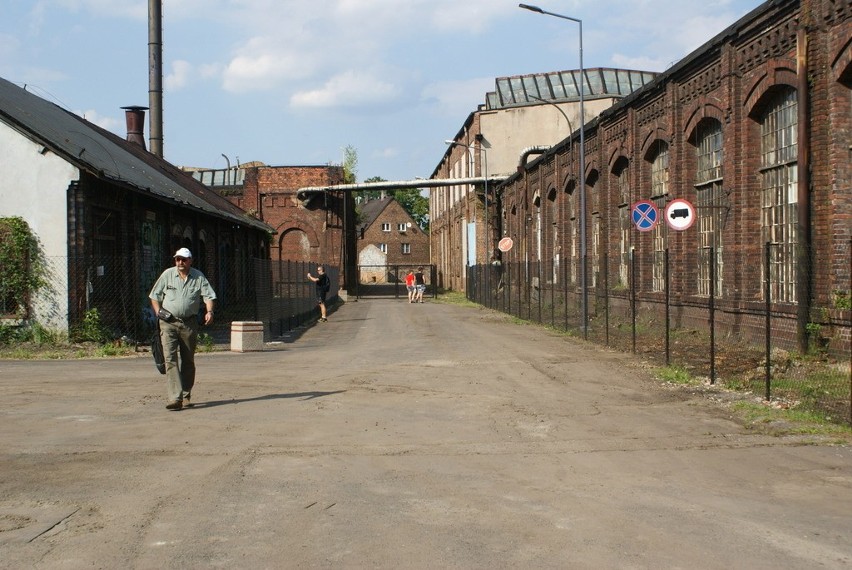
(583, 298)
(553, 271)
(606, 297)
(767, 293)
(668, 305)
(565, 293)
(633, 296)
(713, 314)
(540, 288)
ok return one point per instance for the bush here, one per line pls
(91, 329)
(22, 267)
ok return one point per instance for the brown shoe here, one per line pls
(186, 401)
(176, 405)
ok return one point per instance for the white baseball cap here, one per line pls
(183, 252)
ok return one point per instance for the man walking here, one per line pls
(176, 299)
(323, 284)
(420, 285)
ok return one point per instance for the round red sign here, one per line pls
(505, 244)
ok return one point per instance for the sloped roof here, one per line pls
(561, 86)
(371, 210)
(110, 157)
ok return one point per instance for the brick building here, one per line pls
(521, 118)
(753, 129)
(385, 224)
(109, 215)
(306, 230)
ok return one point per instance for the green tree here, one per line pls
(350, 165)
(415, 204)
(364, 195)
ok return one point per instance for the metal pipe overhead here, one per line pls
(302, 193)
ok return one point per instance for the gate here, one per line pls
(388, 281)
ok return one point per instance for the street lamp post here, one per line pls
(582, 88)
(485, 190)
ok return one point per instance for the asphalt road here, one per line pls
(404, 436)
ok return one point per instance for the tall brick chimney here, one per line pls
(135, 118)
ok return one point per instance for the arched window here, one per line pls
(537, 226)
(779, 191)
(622, 188)
(553, 230)
(659, 193)
(594, 263)
(572, 229)
(709, 211)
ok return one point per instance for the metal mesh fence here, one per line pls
(277, 293)
(747, 338)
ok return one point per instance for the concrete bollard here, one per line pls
(246, 336)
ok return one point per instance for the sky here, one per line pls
(295, 82)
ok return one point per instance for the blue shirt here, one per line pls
(180, 297)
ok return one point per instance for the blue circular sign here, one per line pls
(645, 215)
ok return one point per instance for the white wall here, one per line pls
(34, 187)
(509, 131)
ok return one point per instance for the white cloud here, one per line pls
(640, 62)
(661, 31)
(136, 9)
(180, 76)
(108, 123)
(348, 89)
(209, 70)
(297, 41)
(470, 17)
(264, 63)
(457, 98)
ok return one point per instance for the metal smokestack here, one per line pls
(134, 116)
(155, 74)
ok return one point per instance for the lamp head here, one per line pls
(531, 8)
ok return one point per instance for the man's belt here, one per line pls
(170, 318)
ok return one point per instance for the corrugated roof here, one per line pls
(110, 157)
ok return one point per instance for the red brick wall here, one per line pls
(304, 233)
(726, 83)
(395, 214)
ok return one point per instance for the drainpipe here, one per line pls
(804, 254)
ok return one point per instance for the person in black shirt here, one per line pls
(323, 284)
(420, 285)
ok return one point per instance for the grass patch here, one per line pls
(675, 375)
(791, 420)
(456, 298)
(205, 343)
(64, 350)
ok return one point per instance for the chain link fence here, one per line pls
(634, 303)
(277, 293)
